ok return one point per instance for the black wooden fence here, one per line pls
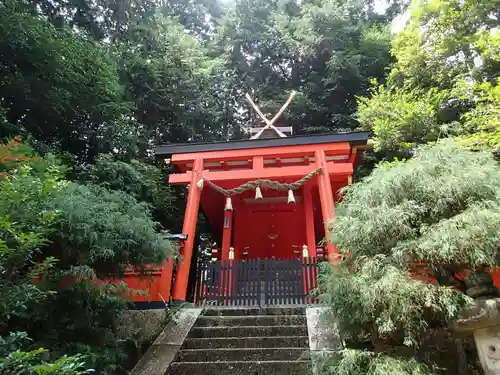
(257, 282)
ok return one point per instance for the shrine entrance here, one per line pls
(268, 201)
(257, 282)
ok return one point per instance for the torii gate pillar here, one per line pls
(189, 227)
(327, 200)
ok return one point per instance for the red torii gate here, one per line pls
(331, 158)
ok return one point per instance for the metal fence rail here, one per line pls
(257, 282)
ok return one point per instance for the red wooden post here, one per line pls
(230, 274)
(327, 202)
(189, 228)
(309, 215)
(227, 234)
(305, 258)
(226, 245)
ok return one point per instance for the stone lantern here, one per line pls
(483, 320)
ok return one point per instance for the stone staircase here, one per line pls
(246, 341)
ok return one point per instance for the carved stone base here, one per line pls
(488, 349)
(483, 320)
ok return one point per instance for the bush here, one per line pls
(36, 362)
(106, 230)
(58, 239)
(439, 209)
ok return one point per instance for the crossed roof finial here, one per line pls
(270, 123)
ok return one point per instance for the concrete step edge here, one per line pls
(240, 349)
(250, 320)
(247, 337)
(235, 317)
(239, 362)
(232, 327)
(237, 343)
(275, 367)
(247, 331)
(263, 311)
(295, 341)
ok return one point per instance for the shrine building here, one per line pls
(264, 198)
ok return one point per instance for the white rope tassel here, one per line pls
(200, 184)
(291, 197)
(229, 205)
(258, 193)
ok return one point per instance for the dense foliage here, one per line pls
(121, 77)
(438, 209)
(58, 239)
(444, 81)
(147, 183)
(56, 86)
(328, 50)
(360, 362)
(15, 361)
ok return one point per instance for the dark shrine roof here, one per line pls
(355, 138)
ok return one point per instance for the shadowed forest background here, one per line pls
(88, 87)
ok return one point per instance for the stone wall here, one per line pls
(139, 329)
(143, 325)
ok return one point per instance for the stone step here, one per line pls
(248, 331)
(240, 368)
(242, 311)
(247, 342)
(247, 354)
(251, 320)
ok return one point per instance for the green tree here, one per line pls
(26, 223)
(439, 209)
(59, 87)
(106, 230)
(171, 77)
(112, 19)
(445, 39)
(447, 62)
(480, 127)
(400, 118)
(99, 19)
(326, 50)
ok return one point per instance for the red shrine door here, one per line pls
(265, 231)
